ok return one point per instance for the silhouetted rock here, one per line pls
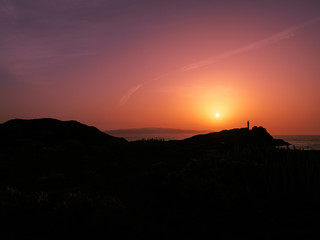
(237, 136)
(49, 131)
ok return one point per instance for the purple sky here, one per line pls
(76, 59)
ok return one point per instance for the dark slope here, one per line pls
(49, 131)
(238, 136)
(53, 184)
(53, 155)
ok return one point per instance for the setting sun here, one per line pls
(206, 65)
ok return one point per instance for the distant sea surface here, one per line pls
(307, 142)
(164, 136)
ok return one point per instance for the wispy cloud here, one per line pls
(285, 34)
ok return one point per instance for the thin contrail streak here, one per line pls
(285, 34)
(127, 96)
(288, 33)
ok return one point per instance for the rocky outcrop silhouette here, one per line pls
(237, 136)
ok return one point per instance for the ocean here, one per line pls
(164, 136)
(307, 142)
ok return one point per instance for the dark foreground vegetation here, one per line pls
(64, 179)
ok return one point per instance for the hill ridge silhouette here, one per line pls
(46, 131)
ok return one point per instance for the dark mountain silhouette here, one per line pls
(49, 131)
(237, 136)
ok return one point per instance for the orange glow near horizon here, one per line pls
(130, 65)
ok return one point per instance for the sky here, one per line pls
(118, 64)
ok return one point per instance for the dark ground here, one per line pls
(64, 179)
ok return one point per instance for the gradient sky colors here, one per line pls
(146, 63)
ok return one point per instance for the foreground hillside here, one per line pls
(66, 179)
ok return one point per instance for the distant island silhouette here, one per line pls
(63, 178)
(152, 130)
